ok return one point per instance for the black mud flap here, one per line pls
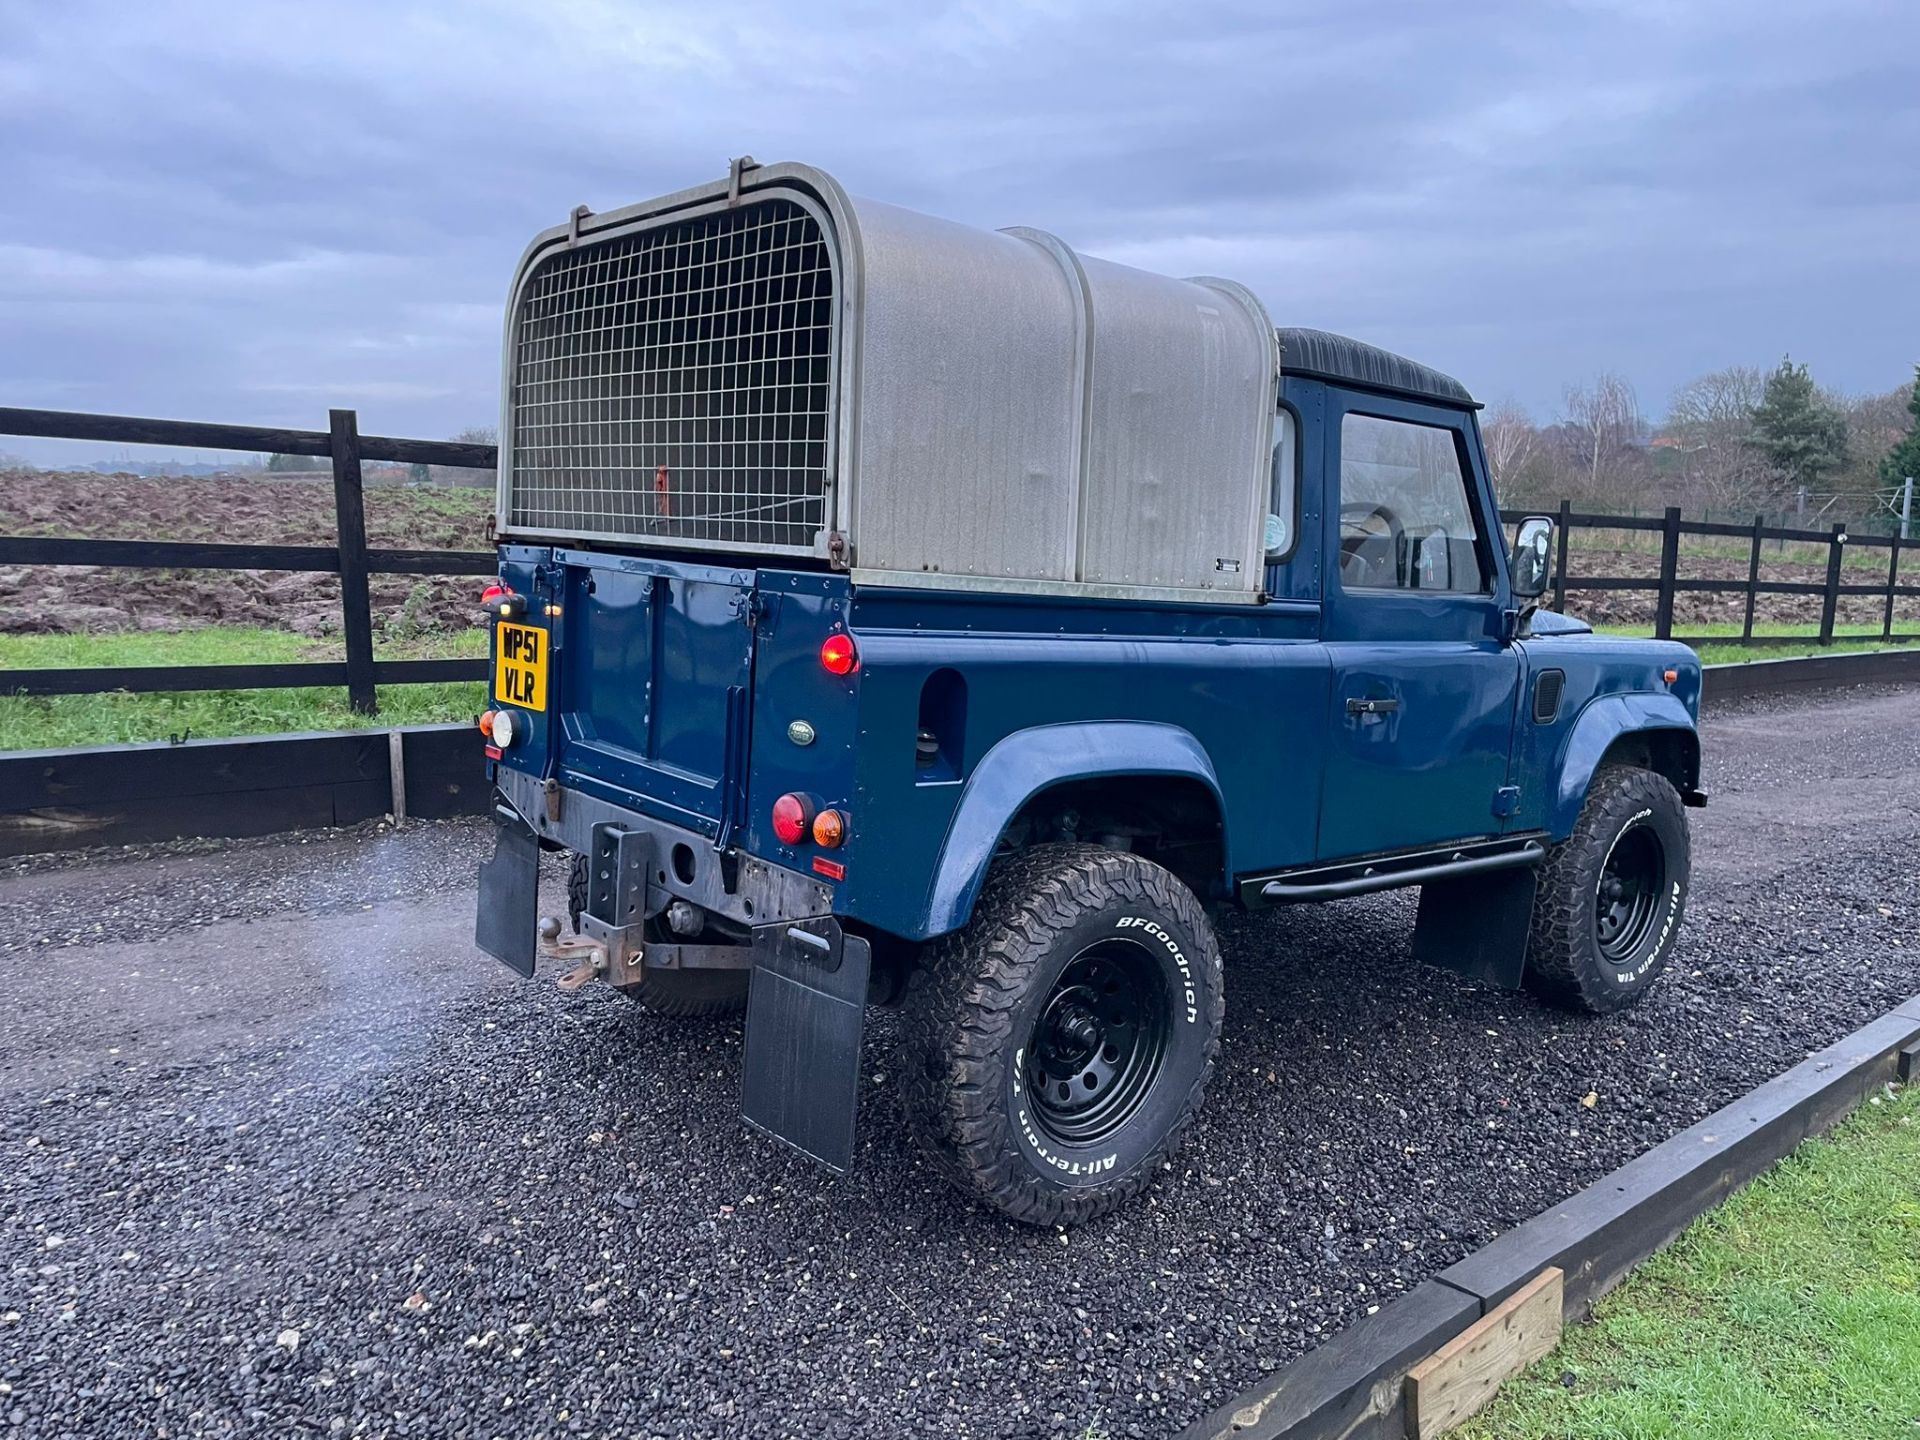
(1476, 926)
(510, 896)
(805, 1015)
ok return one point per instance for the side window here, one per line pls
(1282, 501)
(1405, 521)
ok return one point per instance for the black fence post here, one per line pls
(1753, 575)
(1669, 572)
(1830, 603)
(1560, 566)
(1893, 579)
(350, 516)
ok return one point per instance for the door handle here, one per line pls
(1371, 706)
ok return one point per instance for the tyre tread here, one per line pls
(959, 1020)
(1561, 908)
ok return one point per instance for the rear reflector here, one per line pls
(832, 869)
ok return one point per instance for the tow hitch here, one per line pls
(805, 1016)
(620, 955)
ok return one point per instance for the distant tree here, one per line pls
(1799, 431)
(457, 475)
(287, 464)
(1904, 458)
(1602, 430)
(1709, 424)
(1510, 438)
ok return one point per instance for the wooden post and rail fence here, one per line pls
(342, 444)
(345, 448)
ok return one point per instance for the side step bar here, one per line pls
(1389, 872)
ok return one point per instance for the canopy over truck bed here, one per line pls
(766, 365)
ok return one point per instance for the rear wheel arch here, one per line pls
(1147, 783)
(1176, 821)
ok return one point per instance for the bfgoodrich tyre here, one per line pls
(1059, 1045)
(1611, 896)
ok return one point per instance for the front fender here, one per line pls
(1029, 761)
(1600, 724)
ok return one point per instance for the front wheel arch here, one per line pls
(1654, 731)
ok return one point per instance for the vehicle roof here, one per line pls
(1321, 355)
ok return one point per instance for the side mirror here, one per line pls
(1531, 564)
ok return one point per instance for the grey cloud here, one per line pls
(246, 211)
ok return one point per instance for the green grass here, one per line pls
(1736, 653)
(57, 721)
(1846, 638)
(36, 722)
(1793, 1310)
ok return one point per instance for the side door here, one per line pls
(1424, 679)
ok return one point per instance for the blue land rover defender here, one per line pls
(893, 612)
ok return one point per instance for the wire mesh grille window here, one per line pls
(676, 383)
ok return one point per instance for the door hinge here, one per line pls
(754, 609)
(1506, 801)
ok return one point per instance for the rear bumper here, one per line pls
(683, 864)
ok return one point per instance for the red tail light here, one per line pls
(838, 655)
(792, 818)
(500, 601)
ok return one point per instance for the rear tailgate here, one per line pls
(648, 700)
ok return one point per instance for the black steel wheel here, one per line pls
(1627, 898)
(675, 994)
(1611, 897)
(1098, 1044)
(1059, 1045)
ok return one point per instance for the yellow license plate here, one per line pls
(520, 665)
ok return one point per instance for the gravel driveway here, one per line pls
(281, 1154)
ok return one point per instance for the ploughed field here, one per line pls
(295, 509)
(280, 1152)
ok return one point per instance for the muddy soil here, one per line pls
(1636, 607)
(298, 510)
(289, 510)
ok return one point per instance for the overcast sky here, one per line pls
(251, 211)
